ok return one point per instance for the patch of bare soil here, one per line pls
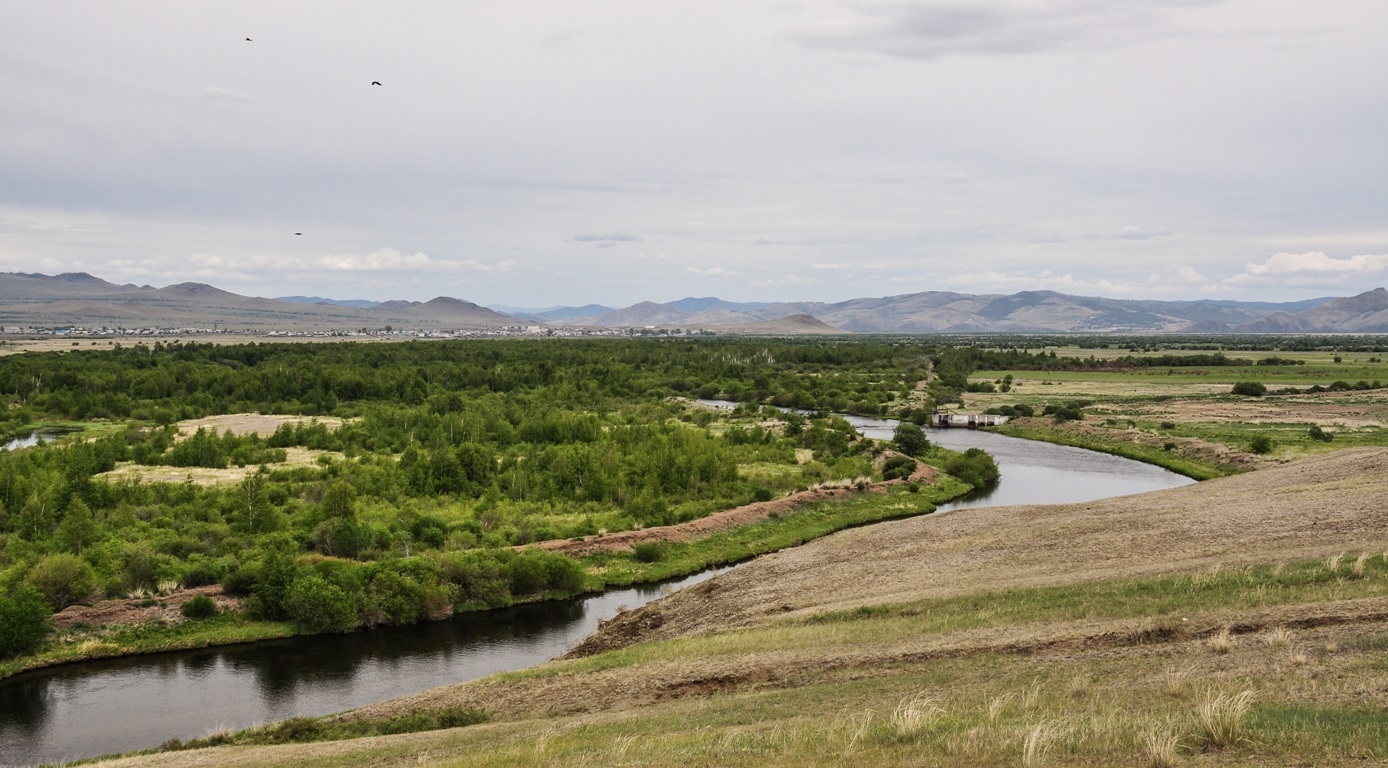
(1311, 508)
(248, 423)
(732, 518)
(128, 470)
(1356, 410)
(127, 611)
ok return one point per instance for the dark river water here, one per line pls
(84, 710)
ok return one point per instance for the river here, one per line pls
(83, 710)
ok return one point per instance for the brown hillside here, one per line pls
(1314, 507)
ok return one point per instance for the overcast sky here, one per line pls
(531, 153)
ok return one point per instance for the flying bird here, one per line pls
(375, 82)
(248, 40)
(298, 233)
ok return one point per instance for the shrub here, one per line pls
(318, 606)
(1168, 425)
(23, 621)
(648, 552)
(393, 599)
(200, 607)
(898, 467)
(63, 580)
(1261, 444)
(1319, 434)
(1250, 389)
(974, 467)
(478, 576)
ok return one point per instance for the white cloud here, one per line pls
(1188, 276)
(215, 93)
(477, 266)
(837, 265)
(712, 272)
(1315, 262)
(784, 281)
(1138, 233)
(384, 260)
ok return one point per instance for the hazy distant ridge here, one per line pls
(81, 299)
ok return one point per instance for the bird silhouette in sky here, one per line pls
(298, 233)
(248, 40)
(375, 82)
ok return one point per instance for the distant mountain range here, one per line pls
(35, 300)
(28, 300)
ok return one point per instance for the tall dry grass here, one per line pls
(1223, 718)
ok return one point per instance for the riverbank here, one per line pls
(1195, 459)
(1230, 622)
(148, 625)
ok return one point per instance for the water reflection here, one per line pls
(123, 704)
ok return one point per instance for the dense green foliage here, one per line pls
(448, 455)
(23, 620)
(974, 467)
(910, 439)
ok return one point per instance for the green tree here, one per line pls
(1261, 444)
(63, 579)
(910, 439)
(339, 501)
(77, 529)
(23, 621)
(278, 570)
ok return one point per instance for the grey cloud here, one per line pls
(933, 30)
(606, 240)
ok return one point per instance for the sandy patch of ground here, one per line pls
(165, 608)
(129, 470)
(248, 423)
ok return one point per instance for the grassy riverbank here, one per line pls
(1049, 635)
(1118, 443)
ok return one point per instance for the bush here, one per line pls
(23, 621)
(898, 467)
(478, 576)
(318, 606)
(1261, 444)
(648, 552)
(63, 580)
(1319, 434)
(200, 607)
(1250, 389)
(974, 467)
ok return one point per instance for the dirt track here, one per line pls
(719, 521)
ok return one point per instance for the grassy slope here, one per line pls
(1044, 649)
